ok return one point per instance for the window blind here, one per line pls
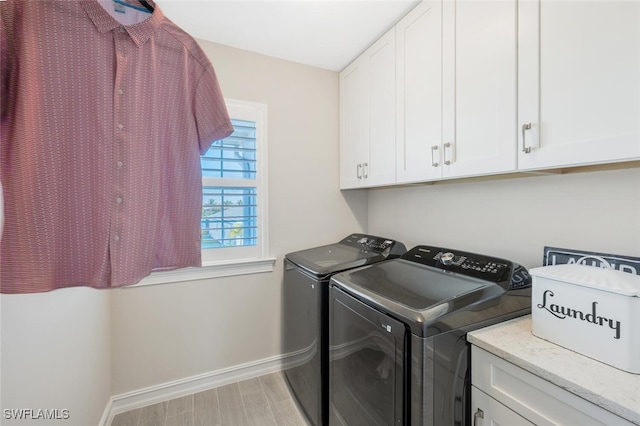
(230, 199)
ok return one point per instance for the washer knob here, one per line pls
(447, 258)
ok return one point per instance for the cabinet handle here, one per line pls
(444, 155)
(526, 149)
(478, 414)
(434, 163)
(365, 170)
(358, 168)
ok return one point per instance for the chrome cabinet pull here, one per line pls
(358, 169)
(434, 163)
(365, 169)
(526, 149)
(478, 414)
(444, 156)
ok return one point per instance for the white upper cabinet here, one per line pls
(367, 117)
(457, 70)
(479, 105)
(382, 111)
(463, 88)
(579, 83)
(354, 123)
(419, 97)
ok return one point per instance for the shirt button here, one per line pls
(121, 126)
(120, 91)
(120, 164)
(116, 238)
(119, 200)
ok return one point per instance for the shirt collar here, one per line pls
(139, 33)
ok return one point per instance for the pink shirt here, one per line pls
(102, 128)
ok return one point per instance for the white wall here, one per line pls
(516, 218)
(56, 354)
(169, 332)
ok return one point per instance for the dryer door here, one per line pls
(366, 364)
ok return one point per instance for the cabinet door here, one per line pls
(532, 397)
(486, 411)
(381, 167)
(354, 123)
(579, 82)
(419, 97)
(479, 108)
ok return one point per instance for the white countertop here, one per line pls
(612, 389)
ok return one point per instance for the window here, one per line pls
(229, 213)
(234, 189)
(234, 202)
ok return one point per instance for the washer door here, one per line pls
(366, 364)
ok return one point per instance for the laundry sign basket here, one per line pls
(591, 310)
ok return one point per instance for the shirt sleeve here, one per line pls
(6, 62)
(212, 117)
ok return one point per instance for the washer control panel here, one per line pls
(471, 264)
(481, 264)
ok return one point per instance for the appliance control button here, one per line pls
(447, 258)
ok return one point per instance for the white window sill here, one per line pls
(210, 270)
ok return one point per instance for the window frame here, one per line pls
(256, 112)
(230, 261)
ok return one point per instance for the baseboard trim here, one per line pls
(107, 415)
(182, 387)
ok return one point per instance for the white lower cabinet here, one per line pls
(488, 411)
(505, 394)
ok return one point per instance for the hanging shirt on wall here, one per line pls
(103, 122)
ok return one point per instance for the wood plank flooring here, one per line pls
(263, 401)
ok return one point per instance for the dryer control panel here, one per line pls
(474, 265)
(374, 244)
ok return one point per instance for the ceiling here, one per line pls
(327, 34)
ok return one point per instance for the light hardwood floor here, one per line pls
(263, 401)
